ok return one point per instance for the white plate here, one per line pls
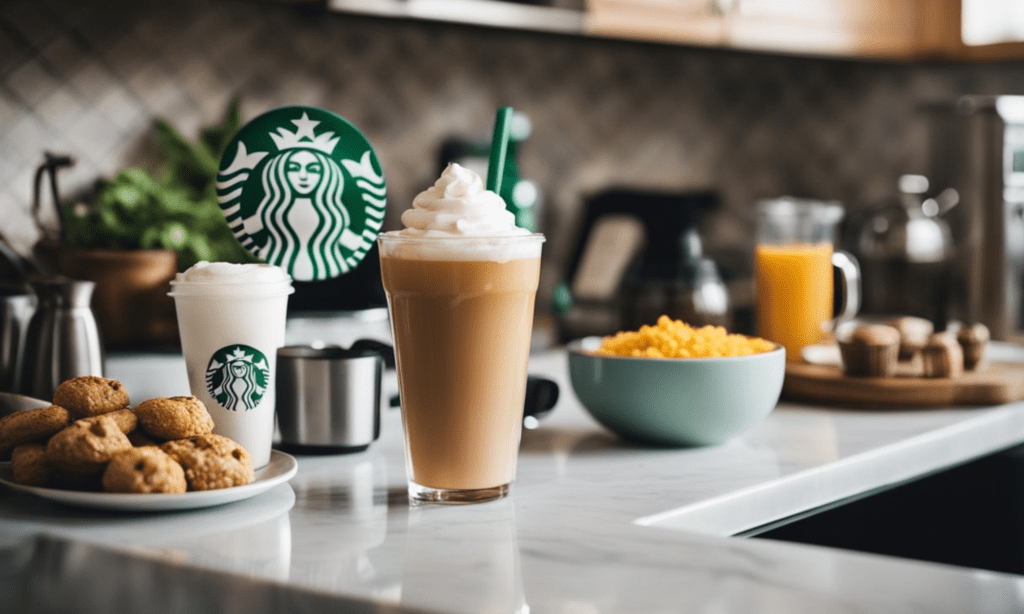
(822, 354)
(280, 469)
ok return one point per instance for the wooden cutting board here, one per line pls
(997, 383)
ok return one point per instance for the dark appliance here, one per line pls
(639, 255)
(907, 255)
(360, 289)
(977, 148)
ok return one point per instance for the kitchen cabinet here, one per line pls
(698, 22)
(870, 29)
(546, 16)
(914, 29)
(833, 27)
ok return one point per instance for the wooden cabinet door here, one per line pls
(698, 22)
(883, 28)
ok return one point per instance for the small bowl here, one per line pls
(676, 401)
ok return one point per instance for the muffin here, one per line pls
(870, 350)
(973, 341)
(942, 356)
(914, 333)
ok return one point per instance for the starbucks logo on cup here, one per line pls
(302, 189)
(237, 376)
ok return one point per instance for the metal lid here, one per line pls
(825, 212)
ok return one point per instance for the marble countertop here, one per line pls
(593, 525)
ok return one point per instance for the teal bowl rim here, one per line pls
(579, 348)
(663, 427)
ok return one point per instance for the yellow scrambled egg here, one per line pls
(674, 339)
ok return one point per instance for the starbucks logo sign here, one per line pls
(302, 189)
(237, 376)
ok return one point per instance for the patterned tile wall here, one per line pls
(89, 79)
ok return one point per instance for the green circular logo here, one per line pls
(237, 377)
(302, 189)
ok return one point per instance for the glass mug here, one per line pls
(793, 271)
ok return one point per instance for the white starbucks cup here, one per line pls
(231, 319)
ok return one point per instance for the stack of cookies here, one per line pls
(91, 439)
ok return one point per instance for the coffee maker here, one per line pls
(639, 255)
(977, 148)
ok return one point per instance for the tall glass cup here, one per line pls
(793, 268)
(461, 315)
(231, 325)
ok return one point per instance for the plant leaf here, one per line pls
(215, 138)
(188, 164)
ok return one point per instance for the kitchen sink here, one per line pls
(971, 515)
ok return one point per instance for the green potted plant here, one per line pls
(139, 228)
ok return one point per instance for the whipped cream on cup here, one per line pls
(457, 218)
(231, 279)
(458, 205)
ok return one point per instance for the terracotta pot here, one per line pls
(130, 301)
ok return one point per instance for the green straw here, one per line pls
(499, 146)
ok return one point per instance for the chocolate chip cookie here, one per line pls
(144, 470)
(87, 446)
(89, 395)
(125, 420)
(30, 466)
(30, 426)
(174, 417)
(211, 461)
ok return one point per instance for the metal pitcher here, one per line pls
(63, 340)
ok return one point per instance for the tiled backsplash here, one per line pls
(89, 79)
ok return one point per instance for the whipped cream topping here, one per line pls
(228, 278)
(458, 205)
(457, 219)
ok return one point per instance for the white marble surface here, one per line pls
(594, 525)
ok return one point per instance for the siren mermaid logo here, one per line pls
(303, 191)
(237, 377)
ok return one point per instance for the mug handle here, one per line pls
(849, 273)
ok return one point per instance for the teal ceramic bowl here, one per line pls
(676, 401)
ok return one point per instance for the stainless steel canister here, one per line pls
(63, 340)
(328, 399)
(16, 306)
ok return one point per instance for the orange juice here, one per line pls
(794, 293)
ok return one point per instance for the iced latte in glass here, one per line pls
(461, 280)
